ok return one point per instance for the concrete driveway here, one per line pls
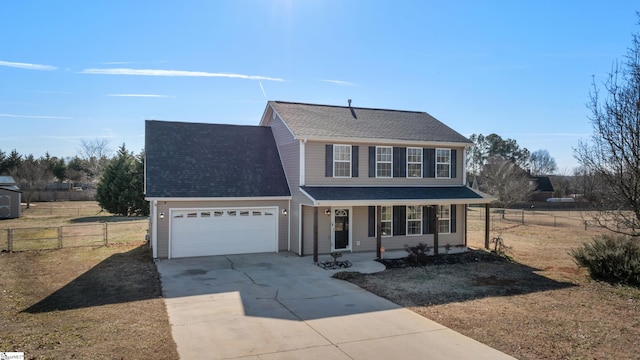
(281, 306)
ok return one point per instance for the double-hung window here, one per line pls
(384, 161)
(342, 161)
(414, 220)
(414, 162)
(443, 163)
(444, 219)
(386, 221)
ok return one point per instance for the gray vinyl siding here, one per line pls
(289, 149)
(164, 207)
(324, 231)
(315, 168)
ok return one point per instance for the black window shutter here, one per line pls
(429, 220)
(453, 218)
(454, 161)
(372, 161)
(425, 219)
(399, 220)
(429, 159)
(328, 161)
(372, 221)
(354, 161)
(399, 162)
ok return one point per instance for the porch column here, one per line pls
(487, 216)
(466, 207)
(315, 234)
(378, 231)
(436, 229)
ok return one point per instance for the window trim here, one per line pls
(442, 219)
(384, 162)
(390, 221)
(420, 152)
(342, 161)
(448, 163)
(418, 220)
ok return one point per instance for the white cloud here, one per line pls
(158, 72)
(339, 82)
(141, 95)
(27, 66)
(35, 116)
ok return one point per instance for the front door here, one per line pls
(341, 229)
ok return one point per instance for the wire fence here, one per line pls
(564, 218)
(40, 210)
(66, 236)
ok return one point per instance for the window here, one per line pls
(414, 162)
(386, 221)
(443, 163)
(384, 161)
(205, 214)
(444, 219)
(341, 160)
(414, 220)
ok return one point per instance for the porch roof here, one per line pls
(398, 195)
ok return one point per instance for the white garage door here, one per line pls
(206, 232)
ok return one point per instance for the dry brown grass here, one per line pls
(85, 303)
(82, 303)
(540, 306)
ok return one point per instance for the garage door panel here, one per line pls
(223, 231)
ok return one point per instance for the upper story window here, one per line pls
(342, 161)
(443, 163)
(444, 219)
(414, 162)
(414, 220)
(384, 161)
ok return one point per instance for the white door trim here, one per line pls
(333, 232)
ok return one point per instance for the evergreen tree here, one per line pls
(120, 190)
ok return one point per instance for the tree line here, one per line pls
(118, 179)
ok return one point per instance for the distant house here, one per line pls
(10, 197)
(543, 188)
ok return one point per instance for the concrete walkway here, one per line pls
(281, 306)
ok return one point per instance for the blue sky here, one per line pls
(85, 70)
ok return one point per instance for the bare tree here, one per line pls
(95, 156)
(613, 152)
(542, 163)
(505, 180)
(33, 175)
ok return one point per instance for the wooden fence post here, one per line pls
(10, 240)
(522, 216)
(106, 235)
(60, 237)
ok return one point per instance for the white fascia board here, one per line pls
(422, 202)
(273, 198)
(264, 120)
(354, 140)
(315, 203)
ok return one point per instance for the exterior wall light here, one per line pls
(327, 212)
(284, 212)
(161, 215)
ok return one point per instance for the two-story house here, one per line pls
(311, 179)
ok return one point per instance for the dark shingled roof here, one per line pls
(212, 160)
(352, 122)
(543, 183)
(390, 193)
